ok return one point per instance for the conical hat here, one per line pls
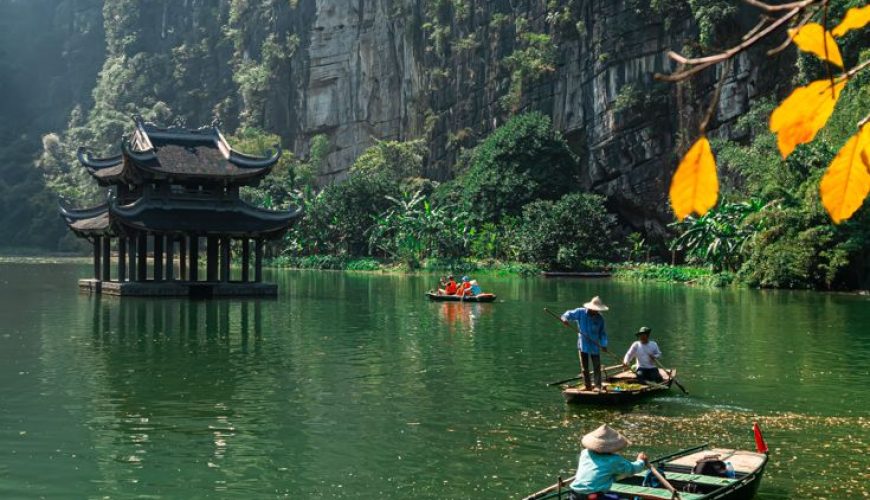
(604, 440)
(595, 304)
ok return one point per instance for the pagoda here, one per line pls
(174, 192)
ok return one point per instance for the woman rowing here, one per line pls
(599, 465)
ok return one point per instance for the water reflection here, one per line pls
(461, 318)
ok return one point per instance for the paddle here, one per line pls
(672, 378)
(559, 318)
(603, 369)
(665, 482)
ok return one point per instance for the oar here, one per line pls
(665, 482)
(603, 369)
(672, 378)
(559, 318)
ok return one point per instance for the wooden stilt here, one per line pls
(194, 258)
(211, 264)
(131, 247)
(246, 260)
(225, 259)
(142, 254)
(122, 259)
(107, 259)
(98, 257)
(158, 257)
(182, 258)
(170, 257)
(258, 260)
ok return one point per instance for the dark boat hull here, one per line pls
(483, 297)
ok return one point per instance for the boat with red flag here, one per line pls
(698, 473)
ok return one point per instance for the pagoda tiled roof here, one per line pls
(177, 154)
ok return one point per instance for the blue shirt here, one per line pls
(476, 290)
(590, 329)
(597, 471)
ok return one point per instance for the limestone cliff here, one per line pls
(449, 71)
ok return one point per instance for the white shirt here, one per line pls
(646, 354)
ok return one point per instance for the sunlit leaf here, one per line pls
(695, 185)
(813, 38)
(803, 113)
(856, 17)
(847, 180)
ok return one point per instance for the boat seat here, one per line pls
(695, 478)
(657, 493)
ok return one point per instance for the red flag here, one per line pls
(760, 445)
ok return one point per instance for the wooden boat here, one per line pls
(677, 468)
(622, 388)
(483, 297)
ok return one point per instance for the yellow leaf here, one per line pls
(847, 180)
(813, 38)
(803, 113)
(695, 185)
(855, 18)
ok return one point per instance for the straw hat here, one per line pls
(604, 440)
(595, 304)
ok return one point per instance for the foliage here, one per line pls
(797, 120)
(672, 274)
(392, 159)
(522, 161)
(564, 234)
(717, 238)
(535, 58)
(412, 229)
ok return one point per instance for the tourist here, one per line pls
(464, 287)
(591, 338)
(450, 288)
(646, 352)
(599, 465)
(475, 288)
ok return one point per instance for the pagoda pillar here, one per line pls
(182, 258)
(142, 251)
(225, 259)
(158, 257)
(122, 259)
(170, 257)
(131, 247)
(194, 258)
(258, 260)
(107, 258)
(246, 260)
(211, 256)
(98, 256)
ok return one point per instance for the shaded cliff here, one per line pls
(449, 71)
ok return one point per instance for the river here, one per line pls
(354, 384)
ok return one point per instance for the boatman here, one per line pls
(646, 352)
(591, 337)
(599, 465)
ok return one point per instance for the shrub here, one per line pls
(564, 234)
(522, 161)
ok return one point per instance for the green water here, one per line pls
(354, 384)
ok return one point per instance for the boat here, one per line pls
(481, 297)
(621, 388)
(678, 470)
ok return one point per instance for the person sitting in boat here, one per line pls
(599, 465)
(450, 288)
(591, 338)
(475, 288)
(646, 352)
(464, 287)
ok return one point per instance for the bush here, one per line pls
(522, 161)
(564, 234)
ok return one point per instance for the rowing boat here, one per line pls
(678, 470)
(483, 297)
(621, 388)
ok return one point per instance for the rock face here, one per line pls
(449, 71)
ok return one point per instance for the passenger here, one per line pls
(450, 288)
(475, 288)
(599, 465)
(464, 287)
(442, 283)
(646, 352)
